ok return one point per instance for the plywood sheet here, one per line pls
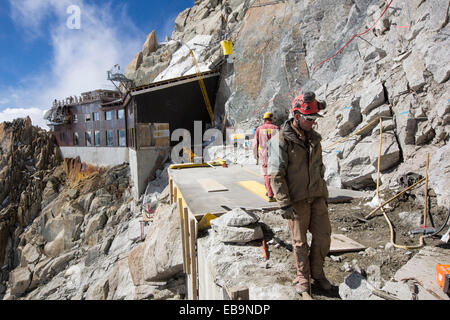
(211, 185)
(341, 243)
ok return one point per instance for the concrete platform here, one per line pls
(422, 270)
(201, 202)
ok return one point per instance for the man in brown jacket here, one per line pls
(296, 175)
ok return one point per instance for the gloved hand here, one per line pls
(287, 212)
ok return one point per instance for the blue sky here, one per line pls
(42, 58)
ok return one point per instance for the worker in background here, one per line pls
(259, 147)
(296, 174)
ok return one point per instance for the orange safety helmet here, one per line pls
(305, 104)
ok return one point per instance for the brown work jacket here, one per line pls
(295, 166)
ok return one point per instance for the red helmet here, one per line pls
(305, 104)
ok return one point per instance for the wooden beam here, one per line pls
(187, 240)
(183, 241)
(175, 193)
(171, 190)
(193, 238)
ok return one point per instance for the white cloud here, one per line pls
(80, 58)
(35, 114)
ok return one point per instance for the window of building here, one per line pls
(97, 138)
(122, 136)
(62, 136)
(76, 139)
(88, 117)
(120, 114)
(108, 115)
(109, 138)
(96, 117)
(75, 118)
(88, 138)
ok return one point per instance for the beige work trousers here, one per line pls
(313, 216)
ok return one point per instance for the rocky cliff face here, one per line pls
(366, 58)
(83, 239)
(27, 157)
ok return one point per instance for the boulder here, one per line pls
(437, 61)
(97, 222)
(355, 287)
(101, 199)
(332, 176)
(372, 97)
(390, 151)
(356, 170)
(93, 254)
(73, 277)
(438, 173)
(56, 247)
(351, 118)
(98, 291)
(414, 66)
(425, 133)
(19, 281)
(235, 218)
(134, 229)
(161, 261)
(237, 234)
(85, 201)
(121, 285)
(136, 265)
(30, 253)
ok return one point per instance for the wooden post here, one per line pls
(180, 209)
(187, 242)
(193, 236)
(175, 193)
(171, 191)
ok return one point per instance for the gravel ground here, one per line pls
(405, 215)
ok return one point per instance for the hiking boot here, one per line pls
(323, 283)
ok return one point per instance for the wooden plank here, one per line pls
(193, 240)
(171, 190)
(175, 193)
(257, 188)
(183, 242)
(144, 135)
(341, 243)
(187, 240)
(211, 185)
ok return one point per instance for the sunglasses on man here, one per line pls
(310, 119)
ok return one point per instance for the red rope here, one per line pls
(356, 35)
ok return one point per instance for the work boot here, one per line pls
(301, 288)
(323, 283)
